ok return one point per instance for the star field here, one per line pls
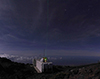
(68, 25)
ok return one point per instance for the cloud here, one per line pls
(17, 58)
(5, 6)
(23, 19)
(12, 18)
(22, 59)
(24, 23)
(11, 42)
(26, 57)
(4, 55)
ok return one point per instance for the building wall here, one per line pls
(39, 65)
(34, 62)
(43, 66)
(47, 67)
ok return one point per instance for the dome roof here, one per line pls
(44, 59)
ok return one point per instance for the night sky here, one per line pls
(61, 27)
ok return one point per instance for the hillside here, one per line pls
(91, 71)
(14, 70)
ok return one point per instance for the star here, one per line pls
(65, 10)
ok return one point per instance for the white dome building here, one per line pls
(42, 65)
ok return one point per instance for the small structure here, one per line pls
(42, 65)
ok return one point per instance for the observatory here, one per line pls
(42, 65)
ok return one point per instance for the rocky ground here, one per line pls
(14, 70)
(91, 71)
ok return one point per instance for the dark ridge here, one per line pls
(14, 70)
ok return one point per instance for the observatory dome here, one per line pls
(44, 59)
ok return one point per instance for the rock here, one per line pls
(81, 77)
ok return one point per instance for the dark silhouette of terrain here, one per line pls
(14, 70)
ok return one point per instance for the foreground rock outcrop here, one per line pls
(14, 70)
